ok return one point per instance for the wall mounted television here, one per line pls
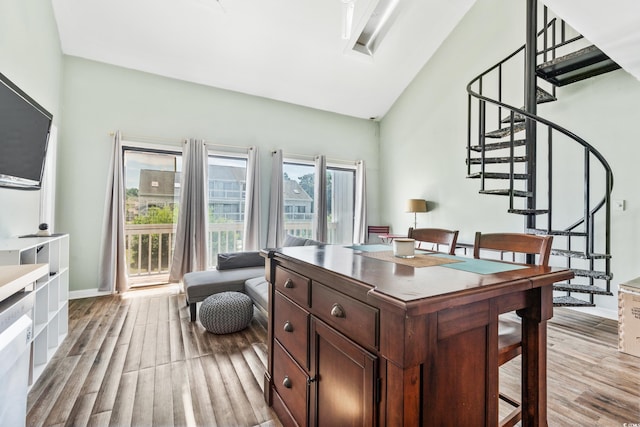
(24, 136)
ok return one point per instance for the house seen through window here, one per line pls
(299, 203)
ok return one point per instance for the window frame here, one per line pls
(345, 166)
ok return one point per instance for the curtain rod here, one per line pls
(237, 147)
(296, 156)
(138, 138)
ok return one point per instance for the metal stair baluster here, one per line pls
(587, 223)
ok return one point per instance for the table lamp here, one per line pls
(415, 206)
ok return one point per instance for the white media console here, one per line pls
(51, 289)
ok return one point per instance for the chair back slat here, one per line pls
(438, 236)
(377, 229)
(515, 242)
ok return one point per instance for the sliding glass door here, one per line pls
(152, 188)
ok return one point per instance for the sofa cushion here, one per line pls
(200, 284)
(239, 260)
(294, 240)
(310, 242)
(258, 289)
(290, 240)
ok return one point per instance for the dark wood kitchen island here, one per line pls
(357, 337)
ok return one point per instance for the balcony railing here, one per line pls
(149, 247)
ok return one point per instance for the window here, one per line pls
(227, 184)
(152, 195)
(152, 188)
(299, 203)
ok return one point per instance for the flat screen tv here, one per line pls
(24, 135)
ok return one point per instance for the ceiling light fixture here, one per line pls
(348, 7)
(377, 26)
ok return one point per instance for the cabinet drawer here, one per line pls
(293, 285)
(290, 383)
(353, 318)
(291, 326)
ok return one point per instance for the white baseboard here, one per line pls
(595, 311)
(87, 293)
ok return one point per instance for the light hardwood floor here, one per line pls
(139, 361)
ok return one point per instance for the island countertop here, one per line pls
(405, 283)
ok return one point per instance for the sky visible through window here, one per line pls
(137, 161)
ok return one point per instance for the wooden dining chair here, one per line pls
(377, 229)
(435, 236)
(515, 243)
(510, 331)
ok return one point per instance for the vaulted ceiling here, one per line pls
(288, 50)
(293, 50)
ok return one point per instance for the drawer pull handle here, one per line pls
(337, 310)
(288, 284)
(288, 327)
(287, 382)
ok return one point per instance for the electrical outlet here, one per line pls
(618, 205)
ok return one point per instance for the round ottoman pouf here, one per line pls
(226, 312)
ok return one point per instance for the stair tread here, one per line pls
(498, 175)
(543, 96)
(517, 118)
(499, 145)
(594, 274)
(587, 55)
(529, 211)
(580, 288)
(502, 132)
(507, 192)
(578, 254)
(566, 301)
(477, 160)
(556, 232)
(575, 66)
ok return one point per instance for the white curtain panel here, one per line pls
(252, 202)
(190, 251)
(112, 273)
(275, 233)
(360, 211)
(320, 199)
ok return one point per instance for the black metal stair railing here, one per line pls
(515, 168)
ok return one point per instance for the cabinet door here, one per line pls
(344, 378)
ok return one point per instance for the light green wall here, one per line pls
(30, 57)
(423, 138)
(99, 99)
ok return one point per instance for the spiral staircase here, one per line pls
(552, 177)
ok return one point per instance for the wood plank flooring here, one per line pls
(137, 360)
(589, 382)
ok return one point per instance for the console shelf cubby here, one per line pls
(51, 308)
